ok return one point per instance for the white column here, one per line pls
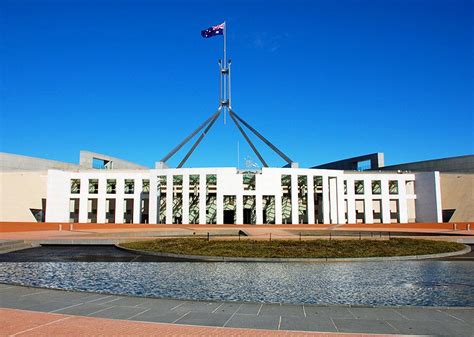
(185, 199)
(152, 210)
(333, 199)
(137, 189)
(439, 208)
(294, 199)
(169, 199)
(259, 209)
(351, 208)
(278, 219)
(219, 208)
(101, 200)
(369, 209)
(239, 199)
(202, 199)
(385, 202)
(311, 200)
(83, 202)
(402, 201)
(326, 208)
(341, 214)
(120, 196)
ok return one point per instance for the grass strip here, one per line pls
(296, 249)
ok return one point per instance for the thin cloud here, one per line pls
(268, 42)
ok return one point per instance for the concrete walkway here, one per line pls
(29, 323)
(275, 317)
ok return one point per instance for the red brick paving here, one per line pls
(29, 323)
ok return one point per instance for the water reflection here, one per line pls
(429, 283)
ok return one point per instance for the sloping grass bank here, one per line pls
(296, 249)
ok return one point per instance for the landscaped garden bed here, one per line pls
(294, 248)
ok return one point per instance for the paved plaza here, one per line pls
(274, 317)
(38, 311)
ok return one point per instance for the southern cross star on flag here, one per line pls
(213, 31)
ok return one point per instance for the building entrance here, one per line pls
(229, 217)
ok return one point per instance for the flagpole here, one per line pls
(225, 44)
(225, 66)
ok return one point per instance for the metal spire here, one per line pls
(225, 106)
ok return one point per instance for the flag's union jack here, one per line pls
(213, 31)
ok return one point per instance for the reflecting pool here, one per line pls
(418, 283)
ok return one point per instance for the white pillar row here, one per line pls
(83, 196)
(153, 207)
(119, 200)
(326, 207)
(341, 214)
(294, 199)
(369, 209)
(169, 198)
(351, 209)
(219, 208)
(333, 199)
(259, 209)
(310, 199)
(385, 202)
(239, 199)
(402, 201)
(101, 200)
(278, 219)
(202, 199)
(185, 199)
(137, 189)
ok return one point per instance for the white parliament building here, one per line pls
(231, 196)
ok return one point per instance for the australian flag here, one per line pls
(213, 31)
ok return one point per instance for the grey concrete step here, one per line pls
(14, 245)
(9, 242)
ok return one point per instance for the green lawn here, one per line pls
(296, 249)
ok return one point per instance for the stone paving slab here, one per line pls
(282, 310)
(204, 318)
(308, 324)
(254, 322)
(364, 326)
(385, 320)
(28, 323)
(250, 308)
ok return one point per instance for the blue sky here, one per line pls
(323, 80)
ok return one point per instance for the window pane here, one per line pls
(111, 186)
(129, 186)
(93, 186)
(75, 186)
(146, 185)
(393, 186)
(376, 187)
(359, 187)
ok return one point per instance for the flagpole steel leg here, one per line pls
(204, 133)
(264, 163)
(180, 145)
(230, 88)
(266, 141)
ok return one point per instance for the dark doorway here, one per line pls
(247, 216)
(229, 217)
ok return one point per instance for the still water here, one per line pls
(418, 283)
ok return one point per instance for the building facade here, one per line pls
(231, 196)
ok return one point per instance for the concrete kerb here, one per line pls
(466, 250)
